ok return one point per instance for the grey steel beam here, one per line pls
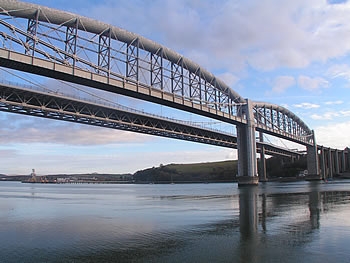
(104, 53)
(157, 78)
(71, 43)
(32, 30)
(25, 100)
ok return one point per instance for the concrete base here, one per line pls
(247, 180)
(313, 177)
(263, 180)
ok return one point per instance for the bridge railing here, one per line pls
(112, 105)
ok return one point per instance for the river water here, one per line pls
(274, 222)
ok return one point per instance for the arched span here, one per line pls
(73, 21)
(70, 47)
(275, 119)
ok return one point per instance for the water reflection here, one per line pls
(290, 221)
(248, 212)
(178, 223)
(248, 223)
(259, 209)
(315, 209)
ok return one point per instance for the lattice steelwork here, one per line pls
(132, 60)
(90, 45)
(275, 119)
(104, 53)
(177, 78)
(77, 49)
(57, 106)
(71, 44)
(31, 29)
(157, 69)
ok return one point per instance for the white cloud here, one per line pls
(339, 71)
(312, 84)
(336, 2)
(345, 113)
(330, 115)
(336, 102)
(229, 78)
(316, 117)
(307, 105)
(262, 34)
(23, 129)
(335, 135)
(282, 83)
(8, 153)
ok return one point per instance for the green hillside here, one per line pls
(199, 172)
(225, 171)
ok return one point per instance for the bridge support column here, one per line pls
(262, 166)
(330, 164)
(343, 161)
(337, 171)
(312, 161)
(246, 145)
(323, 163)
(340, 161)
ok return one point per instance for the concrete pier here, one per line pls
(331, 162)
(246, 142)
(312, 161)
(262, 163)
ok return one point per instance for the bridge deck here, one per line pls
(26, 100)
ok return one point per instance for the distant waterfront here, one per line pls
(224, 171)
(274, 222)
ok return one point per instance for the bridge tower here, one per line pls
(246, 146)
(313, 167)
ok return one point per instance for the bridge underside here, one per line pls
(58, 107)
(25, 100)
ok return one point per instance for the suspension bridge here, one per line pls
(79, 50)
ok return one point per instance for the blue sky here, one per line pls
(293, 53)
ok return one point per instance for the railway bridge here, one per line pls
(69, 47)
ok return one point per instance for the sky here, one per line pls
(293, 53)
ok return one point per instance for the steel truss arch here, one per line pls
(275, 119)
(70, 47)
(144, 59)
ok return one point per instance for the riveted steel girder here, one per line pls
(25, 100)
